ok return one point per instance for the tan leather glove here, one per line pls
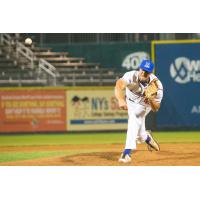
(151, 90)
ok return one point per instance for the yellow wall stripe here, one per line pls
(57, 88)
(154, 42)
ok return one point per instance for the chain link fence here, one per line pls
(73, 38)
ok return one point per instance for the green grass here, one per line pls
(91, 138)
(18, 156)
(60, 139)
(178, 137)
(78, 138)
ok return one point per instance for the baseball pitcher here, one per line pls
(139, 92)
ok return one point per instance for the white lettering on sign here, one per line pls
(195, 109)
(133, 60)
(183, 70)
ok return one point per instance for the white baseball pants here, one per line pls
(136, 124)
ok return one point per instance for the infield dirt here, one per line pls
(176, 154)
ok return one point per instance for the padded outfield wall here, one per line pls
(59, 109)
(178, 67)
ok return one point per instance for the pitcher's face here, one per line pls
(144, 76)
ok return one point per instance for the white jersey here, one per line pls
(132, 78)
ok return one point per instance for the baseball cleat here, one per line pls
(125, 158)
(152, 144)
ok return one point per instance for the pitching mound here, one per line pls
(107, 155)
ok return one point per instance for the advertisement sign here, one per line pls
(32, 110)
(94, 110)
(178, 67)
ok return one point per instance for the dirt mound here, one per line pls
(107, 155)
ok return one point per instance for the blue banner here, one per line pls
(178, 68)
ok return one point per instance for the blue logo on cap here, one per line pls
(147, 65)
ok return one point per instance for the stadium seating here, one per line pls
(64, 59)
(13, 73)
(59, 69)
(49, 54)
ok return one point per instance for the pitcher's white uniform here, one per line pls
(137, 108)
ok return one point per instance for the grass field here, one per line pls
(39, 141)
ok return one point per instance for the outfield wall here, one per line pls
(60, 109)
(178, 67)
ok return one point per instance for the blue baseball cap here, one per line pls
(147, 65)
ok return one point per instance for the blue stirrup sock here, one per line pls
(148, 139)
(127, 151)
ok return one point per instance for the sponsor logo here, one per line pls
(133, 60)
(183, 70)
(195, 109)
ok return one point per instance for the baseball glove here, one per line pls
(151, 90)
